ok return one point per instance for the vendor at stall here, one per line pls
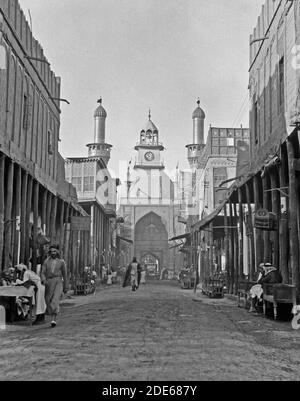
(27, 277)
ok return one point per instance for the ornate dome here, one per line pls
(100, 111)
(198, 112)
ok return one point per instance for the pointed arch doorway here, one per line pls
(151, 241)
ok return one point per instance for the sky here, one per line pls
(141, 54)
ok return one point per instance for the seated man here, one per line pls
(27, 276)
(268, 275)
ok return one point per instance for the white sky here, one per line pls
(137, 54)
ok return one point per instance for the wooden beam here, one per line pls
(2, 206)
(293, 223)
(23, 217)
(231, 248)
(211, 249)
(266, 234)
(44, 210)
(235, 252)
(65, 247)
(226, 246)
(53, 233)
(259, 246)
(18, 201)
(251, 229)
(49, 208)
(283, 224)
(241, 234)
(61, 224)
(36, 189)
(9, 190)
(275, 209)
(28, 212)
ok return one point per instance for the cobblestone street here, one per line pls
(158, 333)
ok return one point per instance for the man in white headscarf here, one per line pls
(26, 275)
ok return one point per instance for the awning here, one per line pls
(180, 237)
(125, 239)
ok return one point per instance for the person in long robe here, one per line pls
(26, 275)
(54, 275)
(133, 275)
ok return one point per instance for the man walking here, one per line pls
(133, 274)
(54, 276)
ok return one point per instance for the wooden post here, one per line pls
(226, 246)
(65, 247)
(92, 235)
(36, 188)
(9, 190)
(267, 206)
(61, 226)
(23, 217)
(49, 208)
(236, 251)
(44, 210)
(251, 229)
(241, 234)
(53, 233)
(231, 248)
(275, 209)
(18, 194)
(293, 223)
(99, 246)
(2, 207)
(28, 212)
(283, 224)
(211, 249)
(259, 237)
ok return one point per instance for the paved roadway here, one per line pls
(158, 333)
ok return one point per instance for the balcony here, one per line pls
(149, 165)
(152, 145)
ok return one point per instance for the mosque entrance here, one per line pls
(151, 264)
(151, 242)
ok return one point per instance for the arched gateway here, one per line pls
(151, 241)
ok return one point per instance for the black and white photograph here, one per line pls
(149, 194)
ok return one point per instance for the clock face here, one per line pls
(149, 156)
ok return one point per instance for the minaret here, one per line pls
(99, 148)
(195, 149)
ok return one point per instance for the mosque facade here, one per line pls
(149, 207)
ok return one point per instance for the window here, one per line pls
(281, 82)
(76, 182)
(230, 141)
(256, 123)
(50, 143)
(88, 184)
(25, 112)
(220, 175)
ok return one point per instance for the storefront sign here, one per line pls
(265, 220)
(80, 223)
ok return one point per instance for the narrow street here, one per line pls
(158, 333)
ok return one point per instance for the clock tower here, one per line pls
(149, 148)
